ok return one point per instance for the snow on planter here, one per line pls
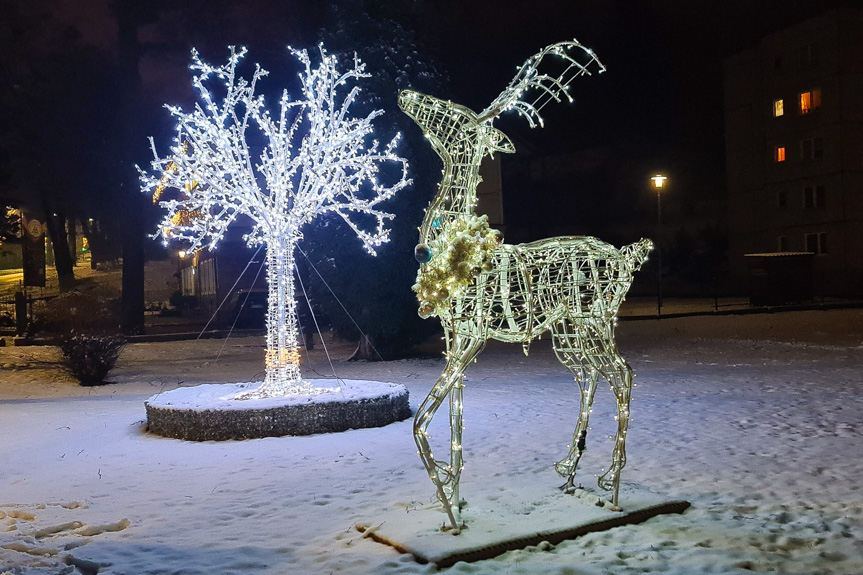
(214, 412)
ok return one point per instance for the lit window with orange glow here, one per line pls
(810, 101)
(778, 108)
(779, 153)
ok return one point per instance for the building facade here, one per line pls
(794, 149)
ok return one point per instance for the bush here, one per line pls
(6, 319)
(183, 302)
(85, 309)
(89, 357)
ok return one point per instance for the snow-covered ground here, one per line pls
(757, 420)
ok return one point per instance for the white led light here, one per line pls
(315, 159)
(482, 289)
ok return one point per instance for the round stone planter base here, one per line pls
(212, 412)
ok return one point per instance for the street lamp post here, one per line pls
(658, 183)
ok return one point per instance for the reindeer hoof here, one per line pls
(570, 487)
(606, 480)
(565, 468)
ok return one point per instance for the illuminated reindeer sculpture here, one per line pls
(483, 289)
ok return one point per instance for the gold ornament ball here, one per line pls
(425, 310)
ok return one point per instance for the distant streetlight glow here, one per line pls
(658, 181)
(658, 184)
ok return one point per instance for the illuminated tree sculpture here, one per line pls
(482, 289)
(312, 158)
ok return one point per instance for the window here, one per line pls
(187, 281)
(813, 197)
(812, 149)
(778, 108)
(779, 154)
(807, 55)
(782, 243)
(207, 277)
(810, 101)
(816, 243)
(782, 199)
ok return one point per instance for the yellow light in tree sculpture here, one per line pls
(482, 289)
(314, 156)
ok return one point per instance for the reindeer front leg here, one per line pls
(462, 348)
(570, 352)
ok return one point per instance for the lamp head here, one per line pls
(658, 181)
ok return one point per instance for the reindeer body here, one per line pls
(483, 289)
(531, 287)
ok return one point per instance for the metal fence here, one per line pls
(7, 314)
(15, 314)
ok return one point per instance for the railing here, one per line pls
(16, 310)
(7, 314)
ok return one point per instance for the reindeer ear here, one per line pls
(498, 141)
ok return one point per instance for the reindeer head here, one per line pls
(452, 128)
(457, 130)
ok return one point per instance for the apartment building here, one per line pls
(794, 149)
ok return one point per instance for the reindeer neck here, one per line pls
(456, 197)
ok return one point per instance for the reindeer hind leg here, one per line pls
(619, 376)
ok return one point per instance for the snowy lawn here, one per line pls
(757, 420)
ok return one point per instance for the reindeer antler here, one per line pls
(550, 87)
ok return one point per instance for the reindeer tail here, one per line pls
(636, 254)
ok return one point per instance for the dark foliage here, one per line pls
(376, 291)
(89, 357)
(698, 263)
(9, 224)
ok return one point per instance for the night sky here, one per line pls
(657, 108)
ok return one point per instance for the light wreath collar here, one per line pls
(453, 260)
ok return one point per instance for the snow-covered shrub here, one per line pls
(89, 357)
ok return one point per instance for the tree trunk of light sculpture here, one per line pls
(283, 352)
(483, 289)
(315, 159)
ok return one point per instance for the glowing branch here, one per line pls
(316, 158)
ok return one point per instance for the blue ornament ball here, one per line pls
(423, 253)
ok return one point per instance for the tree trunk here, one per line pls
(130, 16)
(101, 250)
(365, 350)
(366, 346)
(132, 305)
(72, 238)
(62, 257)
(283, 348)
